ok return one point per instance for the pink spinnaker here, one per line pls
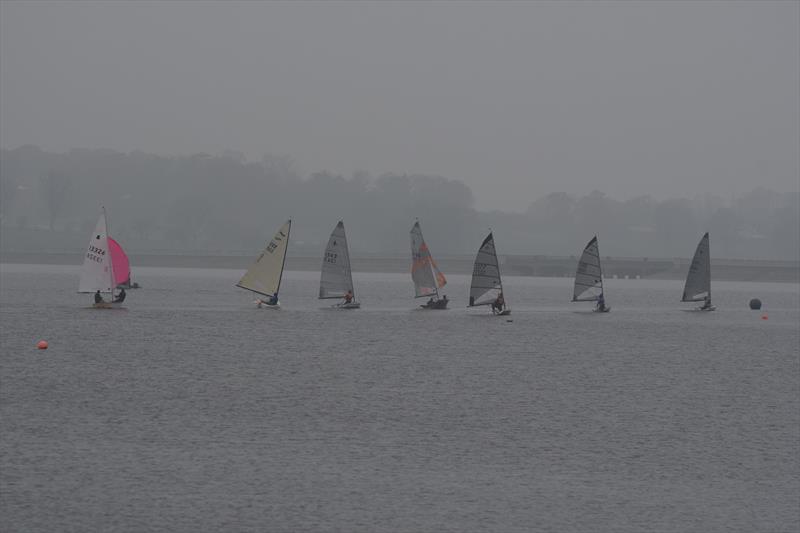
(119, 260)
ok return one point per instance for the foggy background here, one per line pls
(225, 204)
(203, 126)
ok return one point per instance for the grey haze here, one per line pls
(516, 100)
(224, 204)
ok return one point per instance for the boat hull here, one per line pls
(701, 310)
(107, 305)
(351, 305)
(438, 304)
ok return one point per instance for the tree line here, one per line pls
(226, 204)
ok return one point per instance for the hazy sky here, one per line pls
(516, 99)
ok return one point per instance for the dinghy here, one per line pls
(589, 278)
(487, 287)
(265, 274)
(698, 280)
(336, 278)
(97, 271)
(427, 277)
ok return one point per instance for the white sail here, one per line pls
(589, 275)
(486, 284)
(428, 279)
(264, 276)
(336, 278)
(97, 272)
(698, 281)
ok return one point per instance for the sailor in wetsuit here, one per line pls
(601, 303)
(498, 304)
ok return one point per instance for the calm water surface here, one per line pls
(193, 411)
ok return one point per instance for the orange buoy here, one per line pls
(42, 345)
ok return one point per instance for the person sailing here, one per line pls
(98, 298)
(273, 300)
(601, 303)
(120, 297)
(706, 302)
(348, 297)
(499, 303)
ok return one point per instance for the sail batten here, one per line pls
(336, 278)
(698, 280)
(588, 274)
(425, 273)
(265, 274)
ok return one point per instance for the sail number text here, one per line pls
(95, 254)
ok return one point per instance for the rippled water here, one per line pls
(193, 411)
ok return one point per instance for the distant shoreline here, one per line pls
(518, 265)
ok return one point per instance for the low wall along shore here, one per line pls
(514, 265)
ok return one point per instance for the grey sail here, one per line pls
(486, 283)
(698, 281)
(589, 275)
(336, 278)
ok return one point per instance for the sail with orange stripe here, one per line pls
(428, 279)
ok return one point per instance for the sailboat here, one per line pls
(121, 265)
(589, 278)
(97, 272)
(698, 281)
(427, 277)
(264, 275)
(486, 287)
(336, 279)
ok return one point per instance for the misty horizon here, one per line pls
(515, 100)
(727, 197)
(225, 204)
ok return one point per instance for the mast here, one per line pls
(349, 268)
(433, 275)
(429, 263)
(708, 265)
(285, 252)
(499, 276)
(108, 251)
(599, 267)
